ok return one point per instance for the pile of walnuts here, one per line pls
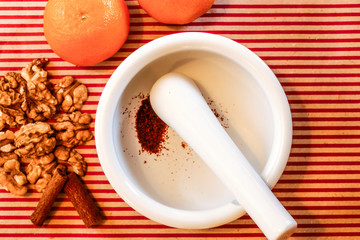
(27, 101)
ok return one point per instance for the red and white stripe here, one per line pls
(314, 49)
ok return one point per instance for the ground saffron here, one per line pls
(151, 130)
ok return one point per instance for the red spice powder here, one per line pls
(151, 130)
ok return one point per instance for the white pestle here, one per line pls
(178, 102)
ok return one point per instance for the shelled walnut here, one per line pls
(7, 147)
(34, 139)
(12, 94)
(12, 179)
(73, 129)
(35, 169)
(40, 170)
(10, 176)
(73, 157)
(12, 87)
(11, 118)
(39, 103)
(34, 71)
(70, 93)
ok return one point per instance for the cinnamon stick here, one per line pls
(49, 195)
(82, 201)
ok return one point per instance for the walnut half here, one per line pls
(39, 103)
(12, 94)
(12, 179)
(73, 157)
(7, 147)
(73, 129)
(71, 94)
(40, 170)
(34, 139)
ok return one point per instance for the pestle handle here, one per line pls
(178, 102)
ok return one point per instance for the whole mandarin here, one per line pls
(85, 32)
(177, 12)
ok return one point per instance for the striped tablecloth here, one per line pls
(314, 49)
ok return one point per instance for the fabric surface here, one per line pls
(313, 47)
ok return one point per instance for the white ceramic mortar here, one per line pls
(175, 187)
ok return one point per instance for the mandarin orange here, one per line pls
(177, 12)
(86, 32)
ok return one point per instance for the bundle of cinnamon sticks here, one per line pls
(77, 193)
